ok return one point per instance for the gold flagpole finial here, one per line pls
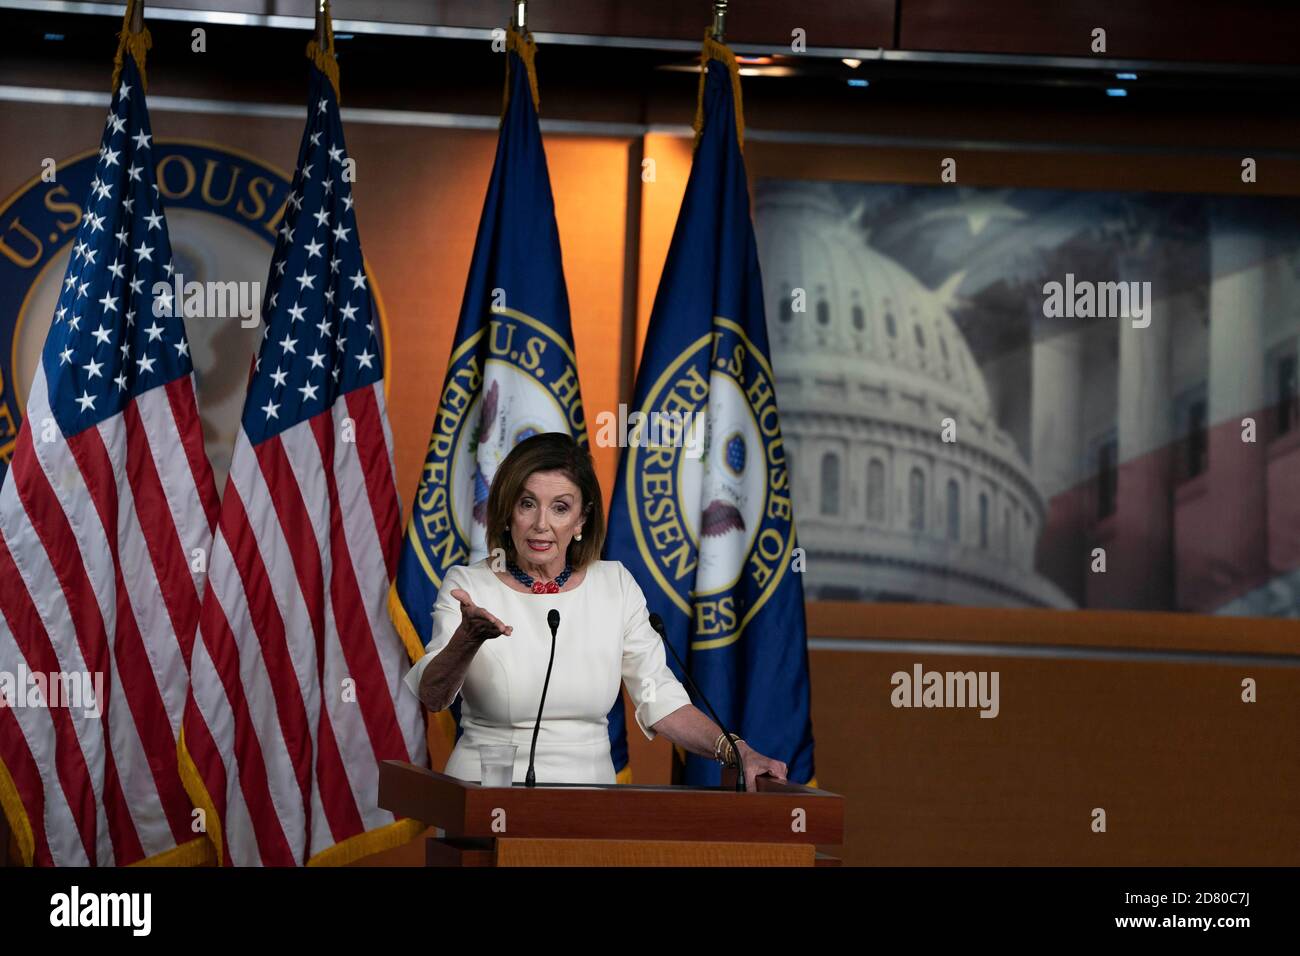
(520, 41)
(715, 48)
(133, 39)
(320, 48)
(719, 29)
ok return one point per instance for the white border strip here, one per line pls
(188, 104)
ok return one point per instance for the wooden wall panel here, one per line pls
(1219, 31)
(1253, 31)
(863, 23)
(1187, 773)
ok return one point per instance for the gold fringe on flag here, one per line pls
(527, 50)
(197, 852)
(415, 650)
(387, 837)
(405, 629)
(197, 790)
(325, 60)
(713, 50)
(20, 828)
(129, 41)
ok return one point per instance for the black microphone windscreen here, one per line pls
(553, 619)
(656, 622)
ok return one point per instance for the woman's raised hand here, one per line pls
(479, 624)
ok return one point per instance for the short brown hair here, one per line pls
(549, 451)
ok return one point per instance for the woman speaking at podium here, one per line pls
(491, 643)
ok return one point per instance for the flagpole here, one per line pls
(715, 48)
(719, 30)
(320, 48)
(133, 39)
(520, 41)
(321, 14)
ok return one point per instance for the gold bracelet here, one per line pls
(733, 753)
(717, 747)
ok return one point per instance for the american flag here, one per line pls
(106, 514)
(296, 691)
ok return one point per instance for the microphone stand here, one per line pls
(553, 621)
(657, 623)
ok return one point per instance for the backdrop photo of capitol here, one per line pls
(1163, 448)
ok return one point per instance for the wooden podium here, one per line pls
(614, 825)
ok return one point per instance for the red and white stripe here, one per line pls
(97, 534)
(295, 607)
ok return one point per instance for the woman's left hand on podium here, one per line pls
(756, 764)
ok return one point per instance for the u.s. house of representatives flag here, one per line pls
(512, 371)
(711, 537)
(106, 512)
(296, 674)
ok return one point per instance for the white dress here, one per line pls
(604, 634)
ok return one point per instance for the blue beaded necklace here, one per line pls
(539, 587)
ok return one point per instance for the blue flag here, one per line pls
(512, 371)
(704, 522)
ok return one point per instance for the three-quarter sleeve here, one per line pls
(650, 683)
(446, 618)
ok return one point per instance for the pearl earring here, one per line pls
(578, 536)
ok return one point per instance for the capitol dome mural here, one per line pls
(873, 375)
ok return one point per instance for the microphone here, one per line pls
(553, 621)
(658, 624)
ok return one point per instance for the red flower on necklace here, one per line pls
(539, 587)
